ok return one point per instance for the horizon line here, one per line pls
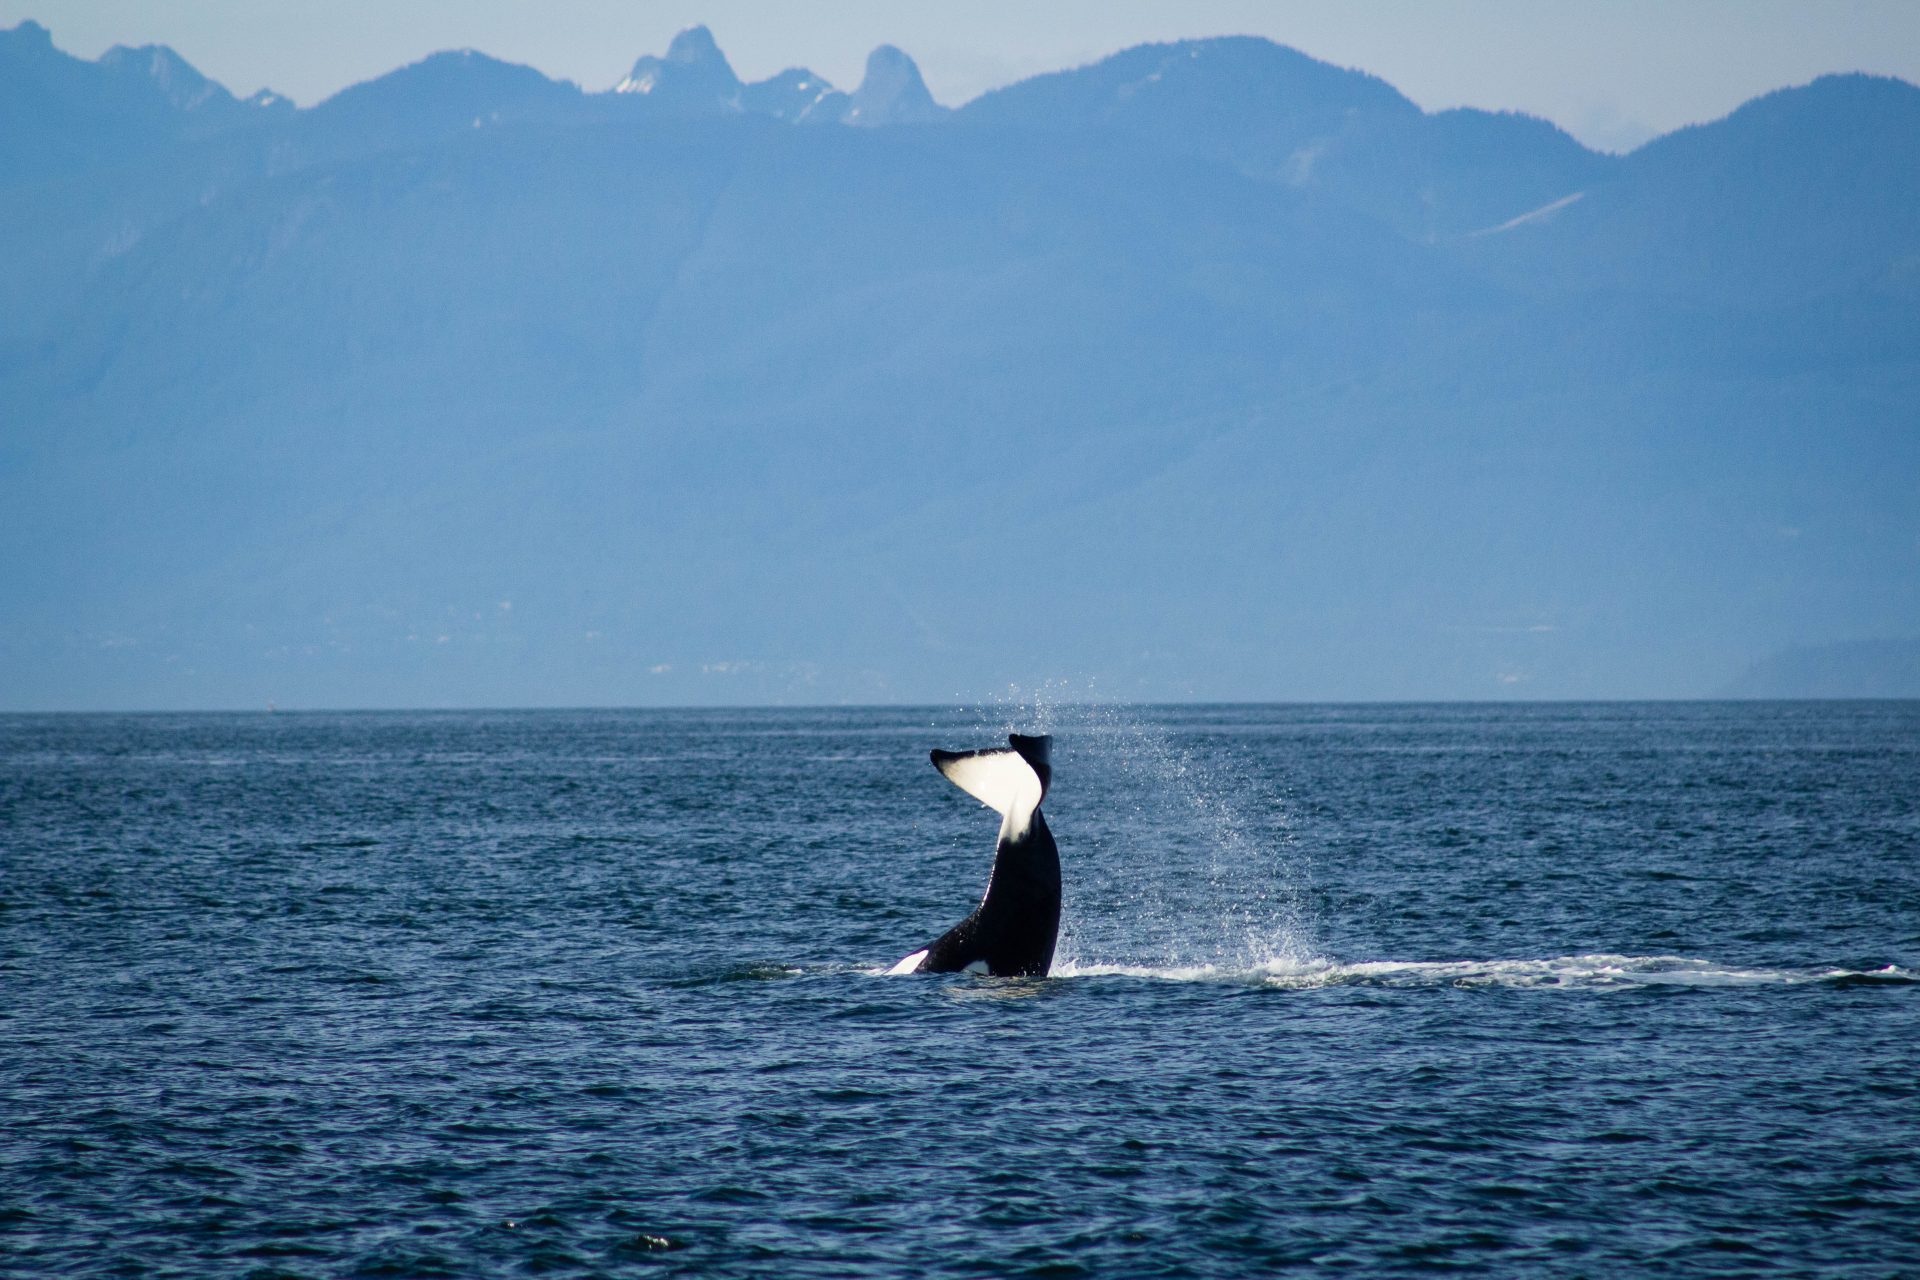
(581, 708)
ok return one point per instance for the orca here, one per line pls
(1012, 932)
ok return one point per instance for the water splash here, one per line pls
(1172, 856)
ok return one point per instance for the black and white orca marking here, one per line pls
(1011, 933)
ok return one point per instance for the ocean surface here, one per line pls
(1540, 990)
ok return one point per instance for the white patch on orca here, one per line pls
(909, 964)
(1002, 780)
(976, 966)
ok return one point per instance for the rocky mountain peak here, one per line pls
(892, 92)
(694, 74)
(173, 75)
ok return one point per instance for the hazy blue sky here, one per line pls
(1610, 72)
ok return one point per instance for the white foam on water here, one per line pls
(1586, 972)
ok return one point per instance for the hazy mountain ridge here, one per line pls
(1250, 379)
(1848, 669)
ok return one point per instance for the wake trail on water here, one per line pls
(1570, 972)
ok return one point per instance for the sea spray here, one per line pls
(1174, 858)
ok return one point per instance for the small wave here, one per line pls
(759, 972)
(1582, 972)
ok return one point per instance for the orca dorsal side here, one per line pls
(1013, 930)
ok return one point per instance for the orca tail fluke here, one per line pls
(1008, 780)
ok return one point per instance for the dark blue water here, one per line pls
(1543, 990)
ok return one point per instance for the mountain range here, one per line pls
(1208, 370)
